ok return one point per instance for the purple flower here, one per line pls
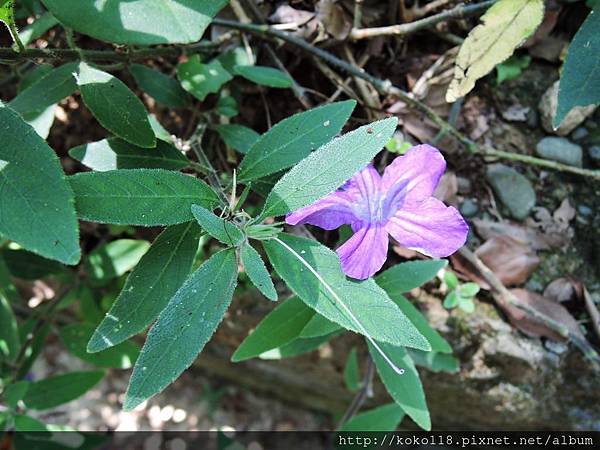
(399, 203)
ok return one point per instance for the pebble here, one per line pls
(561, 150)
(584, 210)
(513, 190)
(463, 185)
(594, 152)
(579, 134)
(469, 208)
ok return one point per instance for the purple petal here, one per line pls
(364, 253)
(421, 168)
(365, 189)
(330, 212)
(430, 227)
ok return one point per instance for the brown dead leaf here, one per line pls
(564, 214)
(512, 261)
(334, 19)
(526, 323)
(560, 290)
(488, 229)
(305, 22)
(447, 189)
(405, 252)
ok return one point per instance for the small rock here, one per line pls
(547, 108)
(561, 150)
(584, 210)
(463, 185)
(513, 189)
(579, 134)
(594, 152)
(556, 347)
(533, 119)
(469, 208)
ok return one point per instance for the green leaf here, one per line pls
(76, 336)
(34, 189)
(227, 106)
(435, 361)
(328, 168)
(468, 290)
(450, 279)
(406, 389)
(257, 272)
(279, 327)
(41, 121)
(6, 12)
(466, 304)
(114, 105)
(146, 197)
(505, 26)
(183, 327)
(150, 286)
(13, 393)
(319, 326)
(580, 79)
(138, 22)
(265, 76)
(60, 389)
(292, 139)
(351, 372)
(114, 259)
(34, 75)
(10, 343)
(8, 289)
(451, 300)
(53, 87)
(25, 423)
(161, 87)
(39, 26)
(114, 153)
(235, 57)
(406, 276)
(29, 266)
(297, 347)
(201, 79)
(512, 68)
(313, 272)
(382, 418)
(238, 137)
(223, 230)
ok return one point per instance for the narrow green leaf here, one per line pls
(161, 87)
(41, 121)
(292, 139)
(8, 290)
(201, 79)
(238, 137)
(114, 105)
(266, 76)
(435, 361)
(382, 418)
(146, 22)
(60, 389)
(406, 389)
(297, 347)
(114, 259)
(34, 190)
(13, 393)
(223, 230)
(183, 327)
(36, 74)
(25, 423)
(580, 79)
(10, 343)
(328, 168)
(145, 197)
(257, 272)
(29, 266)
(351, 371)
(319, 326)
(114, 153)
(76, 336)
(313, 272)
(227, 106)
(406, 276)
(150, 286)
(279, 327)
(53, 87)
(36, 29)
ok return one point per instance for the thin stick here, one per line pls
(361, 396)
(386, 87)
(458, 12)
(503, 296)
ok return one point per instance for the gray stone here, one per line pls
(513, 189)
(584, 210)
(547, 108)
(463, 185)
(561, 150)
(579, 134)
(469, 208)
(594, 152)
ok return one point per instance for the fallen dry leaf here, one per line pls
(334, 19)
(560, 290)
(564, 214)
(447, 189)
(511, 260)
(531, 326)
(488, 229)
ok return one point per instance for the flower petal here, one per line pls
(365, 189)
(364, 253)
(430, 227)
(421, 168)
(330, 212)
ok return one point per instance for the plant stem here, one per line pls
(361, 395)
(386, 87)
